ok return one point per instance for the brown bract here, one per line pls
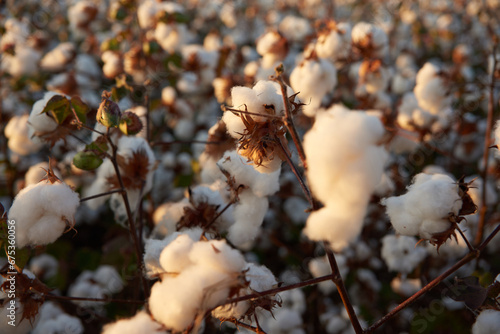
(134, 170)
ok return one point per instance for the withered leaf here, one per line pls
(469, 291)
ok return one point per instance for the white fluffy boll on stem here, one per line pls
(424, 209)
(42, 212)
(345, 165)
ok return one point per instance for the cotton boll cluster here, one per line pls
(17, 133)
(198, 276)
(42, 212)
(345, 165)
(425, 208)
(54, 320)
(400, 253)
(258, 136)
(140, 323)
(313, 79)
(334, 41)
(101, 283)
(488, 321)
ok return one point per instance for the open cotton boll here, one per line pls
(42, 212)
(217, 254)
(400, 253)
(371, 39)
(39, 123)
(248, 216)
(44, 266)
(261, 184)
(313, 79)
(37, 172)
(295, 28)
(345, 164)
(175, 256)
(431, 90)
(138, 324)
(23, 62)
(335, 43)
(167, 215)
(411, 115)
(17, 133)
(63, 323)
(109, 279)
(425, 208)
(171, 36)
(487, 322)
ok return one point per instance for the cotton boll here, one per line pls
(313, 79)
(400, 253)
(39, 123)
(487, 322)
(109, 279)
(51, 208)
(37, 172)
(296, 207)
(431, 89)
(410, 115)
(175, 256)
(261, 184)
(248, 215)
(56, 59)
(24, 62)
(372, 40)
(113, 64)
(139, 323)
(17, 133)
(171, 36)
(334, 43)
(321, 266)
(152, 251)
(424, 209)
(218, 255)
(63, 323)
(167, 215)
(184, 129)
(406, 287)
(295, 28)
(44, 266)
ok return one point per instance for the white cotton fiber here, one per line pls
(336, 44)
(487, 322)
(42, 213)
(313, 79)
(138, 324)
(345, 164)
(175, 256)
(431, 90)
(39, 123)
(17, 133)
(424, 209)
(400, 253)
(217, 254)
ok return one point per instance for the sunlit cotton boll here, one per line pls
(345, 164)
(42, 213)
(142, 322)
(313, 79)
(431, 89)
(17, 133)
(424, 209)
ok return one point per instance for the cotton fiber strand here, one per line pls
(345, 163)
(42, 212)
(424, 209)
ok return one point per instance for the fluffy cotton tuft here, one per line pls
(400, 253)
(42, 212)
(425, 208)
(313, 79)
(140, 323)
(334, 44)
(345, 164)
(431, 91)
(487, 322)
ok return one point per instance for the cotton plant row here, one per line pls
(364, 97)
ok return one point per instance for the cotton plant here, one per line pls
(345, 163)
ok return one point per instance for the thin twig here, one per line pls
(486, 154)
(218, 215)
(131, 222)
(224, 108)
(102, 194)
(168, 143)
(465, 239)
(337, 279)
(288, 119)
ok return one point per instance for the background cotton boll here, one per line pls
(336, 43)
(295, 208)
(17, 132)
(146, 14)
(184, 129)
(369, 37)
(56, 59)
(286, 321)
(63, 323)
(113, 64)
(400, 253)
(320, 267)
(171, 36)
(175, 256)
(109, 279)
(313, 79)
(140, 323)
(295, 28)
(44, 266)
(23, 63)
(51, 207)
(431, 89)
(406, 286)
(487, 322)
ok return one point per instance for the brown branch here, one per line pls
(337, 279)
(486, 154)
(131, 222)
(102, 194)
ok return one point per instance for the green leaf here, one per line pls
(98, 146)
(22, 257)
(60, 108)
(80, 108)
(87, 160)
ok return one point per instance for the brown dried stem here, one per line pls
(486, 154)
(97, 300)
(101, 194)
